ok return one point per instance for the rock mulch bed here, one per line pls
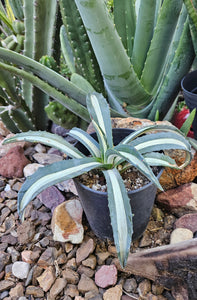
(34, 266)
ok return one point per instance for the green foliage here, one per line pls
(137, 149)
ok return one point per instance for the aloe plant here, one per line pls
(137, 149)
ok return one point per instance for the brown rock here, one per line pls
(144, 287)
(6, 285)
(180, 199)
(47, 258)
(12, 164)
(90, 262)
(70, 275)
(71, 290)
(86, 248)
(25, 232)
(188, 221)
(47, 279)
(35, 291)
(86, 284)
(17, 291)
(114, 293)
(57, 287)
(66, 222)
(85, 270)
(101, 257)
(4, 259)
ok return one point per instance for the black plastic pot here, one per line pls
(95, 203)
(189, 86)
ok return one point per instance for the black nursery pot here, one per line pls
(95, 203)
(189, 87)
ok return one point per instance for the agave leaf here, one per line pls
(101, 139)
(131, 155)
(120, 213)
(50, 175)
(160, 141)
(160, 159)
(88, 141)
(48, 139)
(99, 111)
(132, 136)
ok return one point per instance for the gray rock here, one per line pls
(20, 269)
(45, 159)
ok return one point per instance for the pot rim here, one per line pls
(184, 78)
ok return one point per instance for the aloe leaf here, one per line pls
(86, 140)
(192, 10)
(50, 175)
(69, 103)
(67, 50)
(46, 74)
(160, 43)
(188, 122)
(120, 213)
(17, 8)
(112, 58)
(82, 83)
(133, 156)
(101, 139)
(48, 139)
(143, 35)
(171, 84)
(125, 22)
(85, 60)
(160, 159)
(99, 111)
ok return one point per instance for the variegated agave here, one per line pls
(137, 149)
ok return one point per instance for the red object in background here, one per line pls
(180, 117)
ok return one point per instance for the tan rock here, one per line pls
(71, 290)
(86, 284)
(35, 291)
(90, 262)
(17, 291)
(180, 235)
(57, 287)
(114, 293)
(70, 275)
(66, 222)
(86, 248)
(47, 279)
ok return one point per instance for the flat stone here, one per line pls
(45, 159)
(86, 248)
(20, 269)
(30, 169)
(51, 197)
(12, 164)
(25, 232)
(85, 270)
(35, 291)
(180, 199)
(57, 287)
(67, 186)
(180, 235)
(26, 256)
(86, 284)
(106, 276)
(47, 279)
(6, 285)
(66, 222)
(71, 276)
(15, 255)
(113, 293)
(188, 221)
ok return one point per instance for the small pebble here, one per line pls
(20, 269)
(180, 235)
